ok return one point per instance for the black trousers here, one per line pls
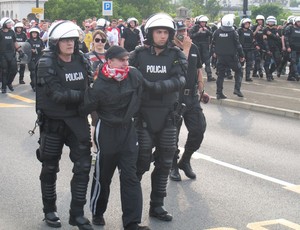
(73, 132)
(249, 61)
(195, 123)
(8, 64)
(117, 147)
(205, 57)
(232, 62)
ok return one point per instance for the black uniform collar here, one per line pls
(164, 52)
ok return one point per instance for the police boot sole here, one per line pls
(81, 222)
(53, 224)
(11, 88)
(161, 216)
(174, 175)
(52, 220)
(187, 169)
(221, 96)
(239, 94)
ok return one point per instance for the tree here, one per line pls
(294, 3)
(82, 9)
(269, 9)
(71, 9)
(212, 9)
(195, 5)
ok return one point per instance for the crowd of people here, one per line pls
(138, 83)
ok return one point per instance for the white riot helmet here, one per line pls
(296, 19)
(203, 19)
(260, 17)
(34, 29)
(160, 20)
(19, 24)
(63, 29)
(4, 22)
(227, 22)
(101, 23)
(290, 19)
(244, 21)
(136, 22)
(197, 18)
(271, 20)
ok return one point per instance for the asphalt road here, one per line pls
(248, 174)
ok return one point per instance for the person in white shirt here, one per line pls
(113, 34)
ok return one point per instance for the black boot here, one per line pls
(81, 222)
(21, 80)
(238, 93)
(159, 212)
(185, 165)
(210, 78)
(3, 90)
(11, 88)
(135, 226)
(174, 173)
(221, 96)
(52, 220)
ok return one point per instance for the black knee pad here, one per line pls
(82, 165)
(49, 172)
(144, 161)
(50, 147)
(164, 160)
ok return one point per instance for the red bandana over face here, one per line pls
(115, 73)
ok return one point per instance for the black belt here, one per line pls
(194, 91)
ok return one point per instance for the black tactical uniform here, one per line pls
(60, 90)
(193, 116)
(164, 76)
(201, 37)
(248, 43)
(8, 62)
(258, 53)
(226, 45)
(21, 37)
(37, 45)
(292, 41)
(272, 44)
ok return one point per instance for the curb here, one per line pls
(257, 107)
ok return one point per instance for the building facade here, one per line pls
(19, 9)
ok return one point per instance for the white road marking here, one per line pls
(198, 155)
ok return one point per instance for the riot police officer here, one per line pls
(286, 55)
(258, 53)
(193, 116)
(20, 37)
(292, 43)
(226, 46)
(201, 36)
(37, 45)
(8, 48)
(62, 75)
(163, 68)
(248, 43)
(272, 43)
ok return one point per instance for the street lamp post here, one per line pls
(245, 8)
(37, 3)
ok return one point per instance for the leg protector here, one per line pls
(145, 151)
(79, 182)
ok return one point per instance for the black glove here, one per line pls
(21, 54)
